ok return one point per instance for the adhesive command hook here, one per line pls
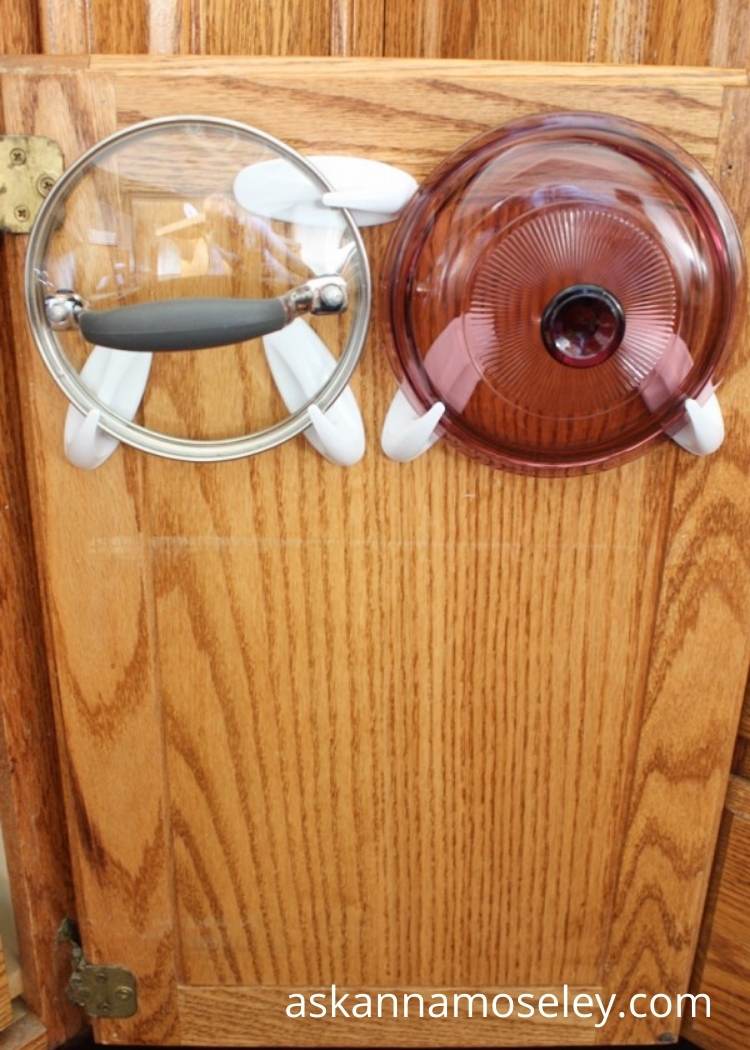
(299, 360)
(407, 434)
(300, 364)
(118, 378)
(373, 191)
(704, 431)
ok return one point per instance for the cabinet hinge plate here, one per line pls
(29, 166)
(100, 990)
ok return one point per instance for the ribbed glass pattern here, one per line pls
(510, 288)
(596, 213)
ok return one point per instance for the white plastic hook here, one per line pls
(704, 431)
(118, 379)
(374, 192)
(299, 360)
(407, 434)
(300, 364)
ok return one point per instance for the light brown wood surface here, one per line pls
(396, 726)
(6, 1012)
(722, 968)
(30, 798)
(707, 32)
(704, 32)
(226, 1015)
(723, 962)
(692, 659)
(26, 1031)
(115, 624)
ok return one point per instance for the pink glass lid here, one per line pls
(562, 285)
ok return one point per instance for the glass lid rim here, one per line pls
(686, 174)
(153, 441)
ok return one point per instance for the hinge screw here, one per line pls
(21, 212)
(124, 993)
(44, 184)
(17, 156)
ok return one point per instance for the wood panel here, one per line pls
(337, 555)
(714, 32)
(546, 31)
(26, 1032)
(30, 803)
(32, 816)
(218, 27)
(704, 604)
(102, 638)
(6, 1013)
(604, 30)
(224, 1016)
(433, 106)
(332, 729)
(722, 968)
(709, 32)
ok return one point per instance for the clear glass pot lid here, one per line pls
(562, 285)
(146, 245)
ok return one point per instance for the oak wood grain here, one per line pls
(258, 28)
(32, 813)
(432, 111)
(20, 35)
(547, 31)
(30, 804)
(357, 27)
(251, 554)
(64, 27)
(6, 1011)
(605, 30)
(398, 725)
(226, 1016)
(448, 70)
(722, 969)
(26, 1032)
(218, 27)
(101, 645)
(704, 605)
(651, 31)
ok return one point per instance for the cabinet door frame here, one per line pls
(657, 772)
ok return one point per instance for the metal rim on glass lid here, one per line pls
(289, 305)
(563, 285)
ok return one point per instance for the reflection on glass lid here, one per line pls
(144, 245)
(562, 285)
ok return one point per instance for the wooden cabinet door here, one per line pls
(422, 726)
(722, 969)
(6, 1009)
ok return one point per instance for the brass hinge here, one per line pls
(102, 991)
(29, 166)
